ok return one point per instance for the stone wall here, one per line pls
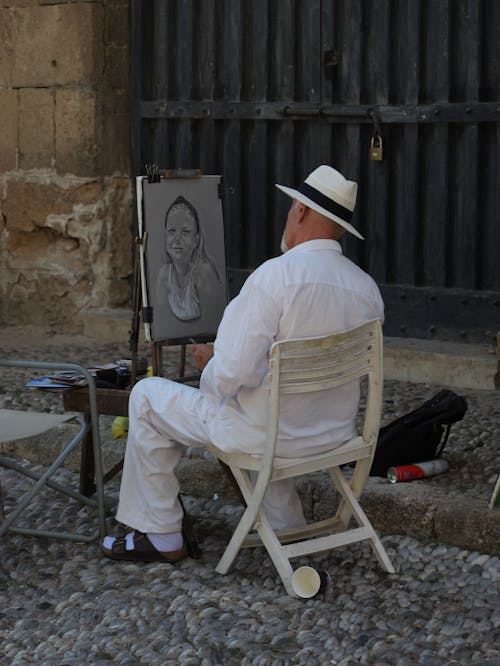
(65, 197)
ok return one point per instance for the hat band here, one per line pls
(325, 202)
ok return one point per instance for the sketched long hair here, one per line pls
(200, 254)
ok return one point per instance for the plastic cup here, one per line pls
(307, 582)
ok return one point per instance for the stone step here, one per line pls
(452, 364)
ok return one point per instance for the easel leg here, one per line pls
(182, 362)
(157, 359)
(136, 307)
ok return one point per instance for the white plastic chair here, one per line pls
(301, 366)
(18, 424)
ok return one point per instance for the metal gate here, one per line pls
(263, 91)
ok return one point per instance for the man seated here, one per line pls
(310, 290)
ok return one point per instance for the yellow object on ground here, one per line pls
(119, 427)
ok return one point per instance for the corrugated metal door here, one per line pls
(262, 91)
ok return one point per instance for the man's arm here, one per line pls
(241, 350)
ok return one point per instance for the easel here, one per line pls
(145, 313)
(138, 312)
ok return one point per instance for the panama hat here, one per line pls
(326, 191)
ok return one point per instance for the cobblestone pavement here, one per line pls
(64, 603)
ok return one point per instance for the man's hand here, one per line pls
(201, 354)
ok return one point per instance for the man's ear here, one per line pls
(301, 212)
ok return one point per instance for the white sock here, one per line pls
(166, 542)
(108, 541)
(162, 542)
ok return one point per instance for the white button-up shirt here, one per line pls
(309, 291)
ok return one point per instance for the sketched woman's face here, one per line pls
(181, 234)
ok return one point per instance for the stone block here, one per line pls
(113, 266)
(62, 2)
(467, 520)
(26, 205)
(31, 204)
(57, 44)
(68, 237)
(452, 364)
(106, 324)
(116, 144)
(77, 132)
(119, 206)
(400, 508)
(55, 238)
(8, 135)
(202, 478)
(36, 128)
(19, 3)
(117, 24)
(117, 66)
(6, 47)
(116, 101)
(47, 274)
(118, 294)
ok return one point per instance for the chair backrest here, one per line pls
(320, 363)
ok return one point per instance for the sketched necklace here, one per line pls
(183, 298)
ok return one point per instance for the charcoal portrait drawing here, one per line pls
(188, 271)
(184, 257)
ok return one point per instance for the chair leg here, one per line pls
(381, 554)
(26, 471)
(275, 552)
(99, 477)
(254, 517)
(45, 480)
(246, 523)
(354, 507)
(244, 526)
(357, 483)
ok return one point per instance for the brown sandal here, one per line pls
(143, 551)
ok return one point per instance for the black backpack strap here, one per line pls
(446, 435)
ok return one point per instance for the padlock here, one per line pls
(376, 152)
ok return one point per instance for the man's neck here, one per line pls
(304, 238)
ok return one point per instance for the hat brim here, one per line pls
(295, 194)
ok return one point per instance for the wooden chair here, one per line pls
(18, 424)
(301, 366)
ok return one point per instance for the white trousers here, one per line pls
(164, 416)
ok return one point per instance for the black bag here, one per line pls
(419, 435)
